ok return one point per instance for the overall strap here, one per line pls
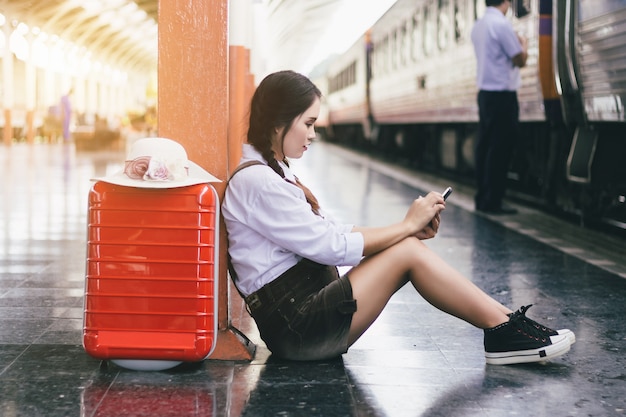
(245, 165)
(231, 269)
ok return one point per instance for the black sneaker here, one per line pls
(517, 341)
(545, 329)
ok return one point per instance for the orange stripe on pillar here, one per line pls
(240, 95)
(7, 129)
(193, 110)
(30, 128)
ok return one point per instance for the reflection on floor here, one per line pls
(414, 361)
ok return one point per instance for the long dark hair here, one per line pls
(278, 100)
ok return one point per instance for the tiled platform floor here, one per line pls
(414, 361)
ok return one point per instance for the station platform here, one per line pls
(414, 360)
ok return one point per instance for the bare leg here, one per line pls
(378, 277)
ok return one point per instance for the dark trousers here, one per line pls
(497, 137)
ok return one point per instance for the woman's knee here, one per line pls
(393, 262)
(411, 246)
(412, 253)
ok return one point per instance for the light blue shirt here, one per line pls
(271, 227)
(495, 45)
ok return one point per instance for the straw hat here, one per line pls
(158, 163)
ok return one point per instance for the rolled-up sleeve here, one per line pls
(355, 249)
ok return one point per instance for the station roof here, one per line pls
(120, 31)
(125, 31)
(296, 27)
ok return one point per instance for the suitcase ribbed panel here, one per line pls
(151, 274)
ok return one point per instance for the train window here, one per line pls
(399, 47)
(443, 24)
(430, 29)
(345, 78)
(388, 54)
(520, 8)
(384, 59)
(393, 52)
(351, 75)
(417, 35)
(460, 20)
(588, 9)
(409, 40)
(380, 53)
(397, 51)
(374, 58)
(406, 44)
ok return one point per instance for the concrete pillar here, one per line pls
(193, 110)
(241, 81)
(8, 97)
(91, 106)
(31, 91)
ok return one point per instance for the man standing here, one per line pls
(500, 53)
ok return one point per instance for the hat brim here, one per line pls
(197, 175)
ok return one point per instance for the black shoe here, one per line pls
(502, 210)
(517, 341)
(544, 329)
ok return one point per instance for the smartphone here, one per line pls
(447, 193)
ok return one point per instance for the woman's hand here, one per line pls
(423, 217)
(430, 230)
(421, 221)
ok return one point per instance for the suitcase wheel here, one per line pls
(145, 365)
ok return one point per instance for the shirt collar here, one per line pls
(249, 153)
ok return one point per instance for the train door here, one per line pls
(567, 74)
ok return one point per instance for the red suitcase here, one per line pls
(151, 274)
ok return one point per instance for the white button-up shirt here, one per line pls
(271, 227)
(495, 45)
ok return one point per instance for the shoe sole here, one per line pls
(554, 350)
